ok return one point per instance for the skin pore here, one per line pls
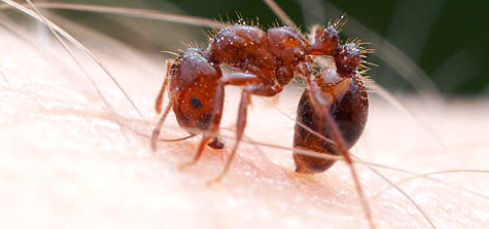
(67, 162)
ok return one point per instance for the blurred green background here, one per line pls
(446, 41)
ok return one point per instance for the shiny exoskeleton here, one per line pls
(335, 104)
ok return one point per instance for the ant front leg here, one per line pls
(255, 85)
(159, 103)
(213, 129)
(157, 129)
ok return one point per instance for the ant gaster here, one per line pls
(334, 105)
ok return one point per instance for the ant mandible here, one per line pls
(334, 106)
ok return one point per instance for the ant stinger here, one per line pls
(335, 104)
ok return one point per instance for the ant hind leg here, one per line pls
(322, 103)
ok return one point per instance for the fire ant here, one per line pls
(335, 104)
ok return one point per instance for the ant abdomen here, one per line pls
(349, 110)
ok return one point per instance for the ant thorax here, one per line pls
(275, 55)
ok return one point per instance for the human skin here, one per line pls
(66, 160)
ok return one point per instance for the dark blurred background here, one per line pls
(446, 41)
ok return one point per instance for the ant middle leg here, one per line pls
(257, 89)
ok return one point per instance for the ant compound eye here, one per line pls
(195, 103)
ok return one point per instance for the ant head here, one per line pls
(348, 58)
(327, 43)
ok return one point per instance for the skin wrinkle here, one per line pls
(59, 171)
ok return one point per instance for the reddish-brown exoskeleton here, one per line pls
(335, 104)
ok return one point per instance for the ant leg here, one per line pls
(240, 124)
(238, 79)
(159, 99)
(213, 129)
(322, 102)
(157, 129)
(261, 89)
(203, 142)
(216, 143)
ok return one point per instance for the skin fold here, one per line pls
(66, 160)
